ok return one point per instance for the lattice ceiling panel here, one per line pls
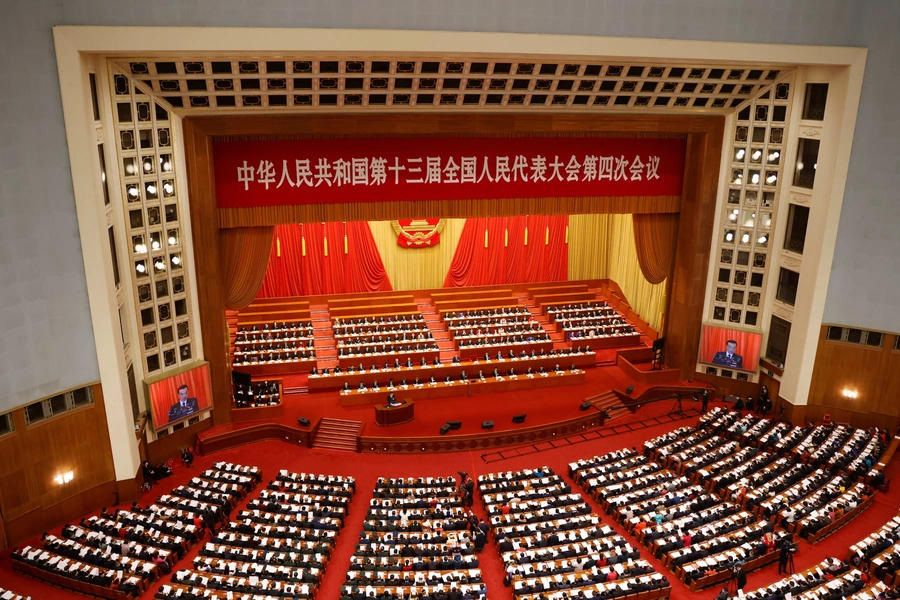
(272, 84)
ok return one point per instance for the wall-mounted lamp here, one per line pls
(64, 478)
(852, 394)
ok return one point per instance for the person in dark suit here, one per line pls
(184, 407)
(729, 358)
(391, 400)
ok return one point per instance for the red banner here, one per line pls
(276, 173)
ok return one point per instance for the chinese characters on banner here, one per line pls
(274, 173)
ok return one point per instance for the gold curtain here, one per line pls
(245, 257)
(654, 239)
(602, 247)
(416, 268)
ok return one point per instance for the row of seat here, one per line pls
(257, 393)
(811, 481)
(696, 534)
(278, 546)
(554, 546)
(418, 540)
(119, 554)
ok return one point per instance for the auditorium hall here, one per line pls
(416, 300)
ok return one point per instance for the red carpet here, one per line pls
(272, 455)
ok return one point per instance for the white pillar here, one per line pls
(92, 224)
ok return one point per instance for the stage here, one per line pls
(549, 411)
(314, 413)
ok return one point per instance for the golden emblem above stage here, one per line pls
(418, 233)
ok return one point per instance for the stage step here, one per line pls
(337, 434)
(438, 329)
(323, 337)
(607, 401)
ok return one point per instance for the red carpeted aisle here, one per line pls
(272, 456)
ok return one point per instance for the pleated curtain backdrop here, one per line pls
(245, 254)
(654, 239)
(323, 258)
(495, 251)
(603, 247)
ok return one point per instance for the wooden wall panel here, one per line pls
(725, 386)
(77, 441)
(687, 284)
(873, 372)
(170, 446)
(207, 244)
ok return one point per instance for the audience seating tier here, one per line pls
(6, 594)
(469, 294)
(474, 303)
(549, 299)
(336, 381)
(477, 352)
(408, 308)
(278, 546)
(275, 369)
(417, 535)
(361, 300)
(370, 359)
(439, 389)
(119, 555)
(552, 544)
(562, 288)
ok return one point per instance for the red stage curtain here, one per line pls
(468, 250)
(325, 268)
(654, 239)
(283, 275)
(558, 248)
(507, 258)
(364, 267)
(245, 252)
(516, 255)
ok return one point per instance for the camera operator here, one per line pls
(786, 549)
(740, 576)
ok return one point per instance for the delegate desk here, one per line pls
(544, 300)
(322, 383)
(610, 341)
(473, 352)
(394, 415)
(379, 359)
(461, 388)
(266, 369)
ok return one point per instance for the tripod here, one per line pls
(788, 566)
(678, 408)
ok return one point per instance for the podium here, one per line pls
(386, 416)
